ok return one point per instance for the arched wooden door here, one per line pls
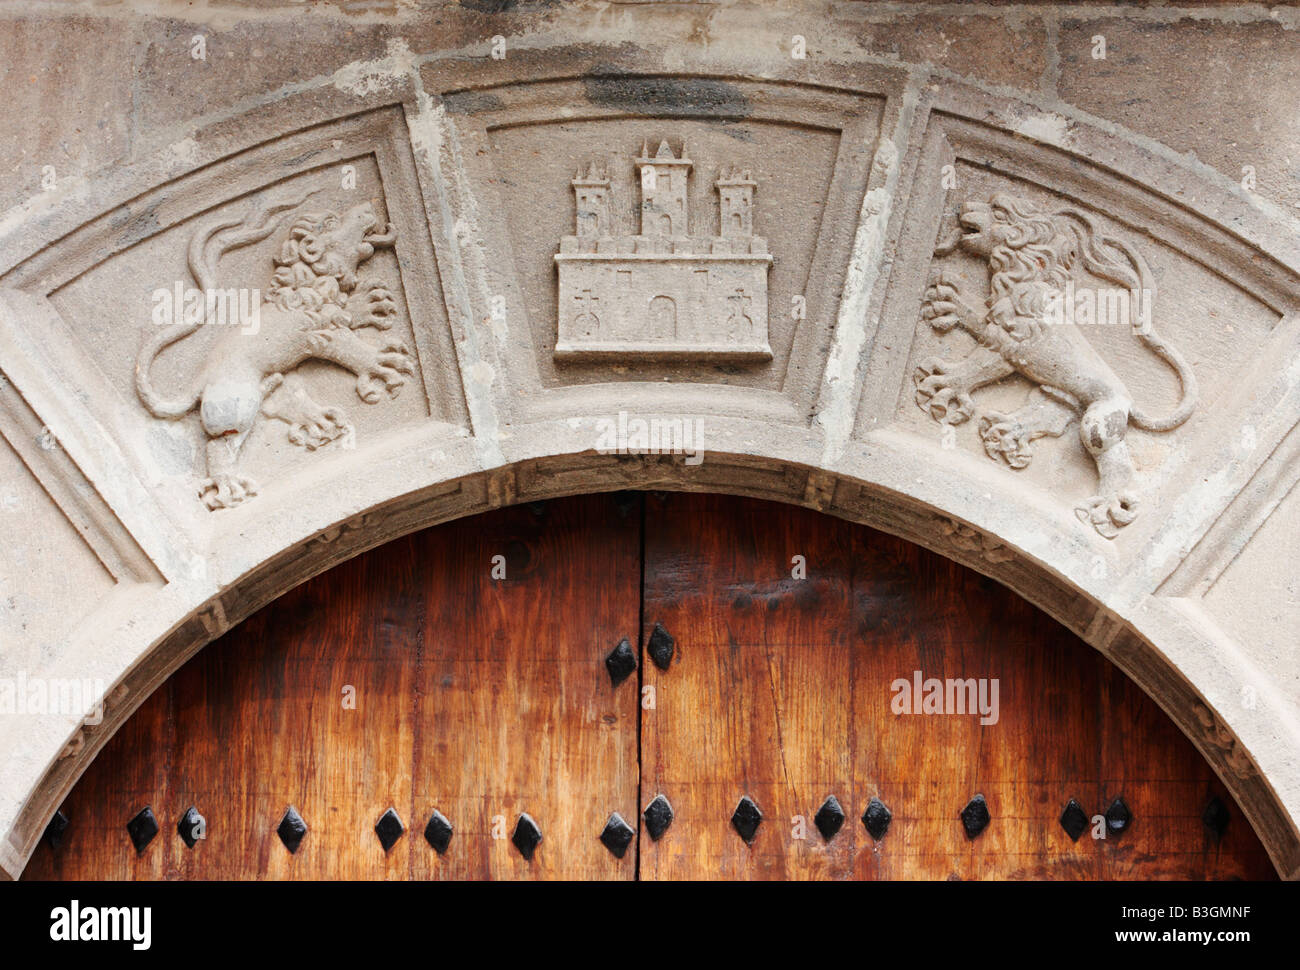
(469, 678)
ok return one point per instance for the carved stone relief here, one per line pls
(968, 539)
(1027, 326)
(676, 243)
(664, 291)
(291, 277)
(315, 305)
(962, 402)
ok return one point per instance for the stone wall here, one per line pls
(278, 282)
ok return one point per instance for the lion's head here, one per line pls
(1021, 242)
(317, 263)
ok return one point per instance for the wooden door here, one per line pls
(476, 657)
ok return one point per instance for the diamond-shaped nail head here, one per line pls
(829, 818)
(54, 831)
(746, 819)
(661, 647)
(975, 816)
(189, 826)
(621, 662)
(1074, 820)
(1118, 816)
(876, 818)
(658, 816)
(389, 828)
(617, 835)
(292, 829)
(438, 832)
(142, 829)
(527, 836)
(1215, 817)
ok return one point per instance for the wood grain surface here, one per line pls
(485, 698)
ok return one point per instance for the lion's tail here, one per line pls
(1136, 277)
(203, 267)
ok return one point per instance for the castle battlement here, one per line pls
(663, 291)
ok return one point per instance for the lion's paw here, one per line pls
(1006, 440)
(939, 395)
(319, 429)
(941, 305)
(1108, 513)
(226, 491)
(385, 373)
(375, 308)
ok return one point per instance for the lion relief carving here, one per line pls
(314, 309)
(1032, 256)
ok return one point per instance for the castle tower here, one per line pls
(663, 191)
(736, 205)
(592, 193)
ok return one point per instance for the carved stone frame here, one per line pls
(845, 461)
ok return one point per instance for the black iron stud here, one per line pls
(658, 816)
(389, 828)
(746, 819)
(1215, 817)
(1074, 820)
(975, 816)
(1118, 816)
(292, 829)
(661, 647)
(54, 831)
(829, 818)
(527, 836)
(190, 827)
(617, 835)
(621, 662)
(142, 829)
(438, 832)
(877, 818)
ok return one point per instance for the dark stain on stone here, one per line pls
(1116, 422)
(683, 97)
(470, 102)
(133, 226)
(739, 134)
(306, 156)
(490, 6)
(506, 6)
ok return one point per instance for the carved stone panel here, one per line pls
(673, 244)
(292, 313)
(663, 290)
(1061, 334)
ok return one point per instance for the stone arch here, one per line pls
(488, 415)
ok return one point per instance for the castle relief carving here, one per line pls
(663, 291)
(1028, 326)
(315, 308)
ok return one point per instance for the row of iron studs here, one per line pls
(658, 816)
